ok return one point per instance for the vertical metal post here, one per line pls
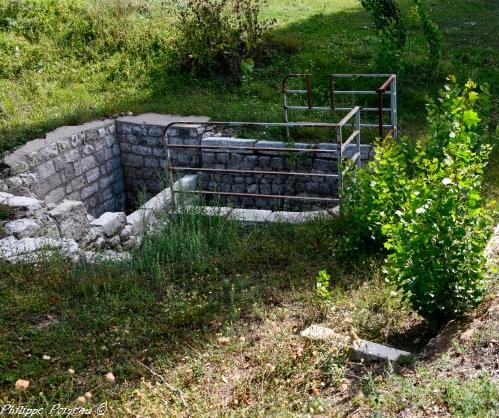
(357, 127)
(332, 98)
(339, 144)
(169, 166)
(380, 111)
(286, 114)
(393, 106)
(309, 91)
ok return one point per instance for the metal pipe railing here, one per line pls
(389, 83)
(338, 127)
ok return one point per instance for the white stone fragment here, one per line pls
(102, 256)
(318, 332)
(25, 249)
(20, 202)
(22, 228)
(110, 222)
(72, 219)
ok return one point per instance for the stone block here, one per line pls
(113, 165)
(111, 222)
(92, 175)
(72, 156)
(277, 164)
(159, 152)
(106, 181)
(253, 188)
(78, 183)
(264, 162)
(106, 194)
(64, 145)
(87, 163)
(151, 162)
(20, 202)
(87, 149)
(250, 215)
(100, 156)
(49, 152)
(77, 168)
(55, 195)
(141, 150)
(132, 160)
(76, 140)
(22, 228)
(271, 144)
(110, 140)
(91, 134)
(46, 170)
(71, 216)
(318, 332)
(60, 163)
(223, 158)
(13, 250)
(250, 162)
(89, 191)
(326, 166)
(156, 131)
(229, 142)
(265, 189)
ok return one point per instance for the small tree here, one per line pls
(425, 201)
(438, 236)
(387, 19)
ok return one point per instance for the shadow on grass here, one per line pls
(343, 42)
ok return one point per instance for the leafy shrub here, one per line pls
(220, 35)
(387, 19)
(424, 199)
(322, 292)
(431, 31)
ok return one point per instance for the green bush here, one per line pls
(387, 19)
(424, 200)
(431, 31)
(220, 35)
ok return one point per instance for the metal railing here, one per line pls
(353, 118)
(388, 88)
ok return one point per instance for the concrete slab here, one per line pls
(250, 215)
(367, 350)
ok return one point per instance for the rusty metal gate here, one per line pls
(388, 88)
(351, 120)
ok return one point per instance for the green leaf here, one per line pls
(470, 118)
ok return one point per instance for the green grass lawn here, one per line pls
(163, 313)
(321, 37)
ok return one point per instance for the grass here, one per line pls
(207, 312)
(197, 276)
(129, 73)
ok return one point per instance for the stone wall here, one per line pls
(143, 157)
(114, 165)
(84, 166)
(260, 158)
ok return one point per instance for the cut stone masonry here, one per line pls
(84, 184)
